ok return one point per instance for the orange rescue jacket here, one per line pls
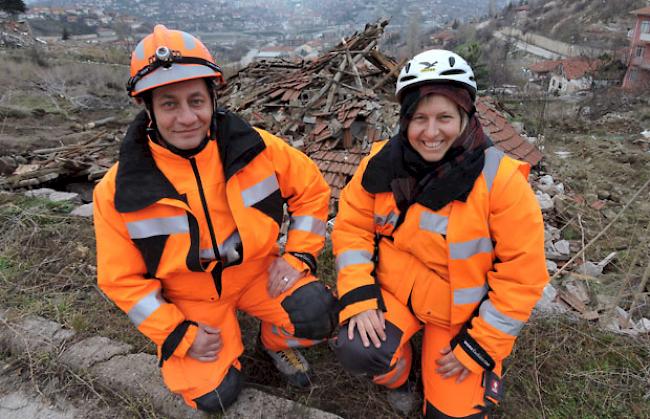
(156, 246)
(495, 256)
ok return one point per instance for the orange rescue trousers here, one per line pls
(192, 378)
(390, 364)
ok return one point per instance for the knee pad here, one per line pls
(358, 359)
(313, 311)
(219, 399)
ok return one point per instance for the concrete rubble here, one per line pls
(113, 366)
(332, 108)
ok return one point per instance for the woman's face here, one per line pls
(435, 125)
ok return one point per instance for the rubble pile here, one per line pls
(335, 107)
(575, 288)
(89, 159)
(332, 108)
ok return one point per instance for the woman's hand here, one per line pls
(449, 365)
(370, 323)
(207, 344)
(281, 277)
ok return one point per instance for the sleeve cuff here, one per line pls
(466, 360)
(296, 263)
(187, 341)
(356, 308)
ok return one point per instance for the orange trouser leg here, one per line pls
(192, 378)
(445, 395)
(277, 330)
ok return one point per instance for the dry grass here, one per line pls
(560, 368)
(61, 85)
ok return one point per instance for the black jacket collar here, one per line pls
(380, 171)
(140, 183)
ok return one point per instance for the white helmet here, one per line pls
(436, 65)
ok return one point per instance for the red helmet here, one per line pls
(169, 56)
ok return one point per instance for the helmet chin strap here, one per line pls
(154, 134)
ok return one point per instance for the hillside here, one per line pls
(600, 24)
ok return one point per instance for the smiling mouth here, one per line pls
(188, 131)
(432, 145)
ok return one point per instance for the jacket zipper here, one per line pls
(216, 274)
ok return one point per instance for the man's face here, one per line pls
(183, 112)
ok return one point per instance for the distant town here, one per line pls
(247, 29)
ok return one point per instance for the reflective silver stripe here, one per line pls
(145, 307)
(227, 250)
(188, 40)
(280, 331)
(493, 157)
(382, 220)
(139, 51)
(158, 227)
(293, 343)
(470, 295)
(206, 254)
(434, 223)
(353, 257)
(498, 320)
(465, 250)
(259, 191)
(173, 73)
(307, 223)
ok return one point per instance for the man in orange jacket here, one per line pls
(187, 222)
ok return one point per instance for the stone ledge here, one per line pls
(114, 367)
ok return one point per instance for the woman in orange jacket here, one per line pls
(437, 230)
(187, 225)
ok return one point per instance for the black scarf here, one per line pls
(400, 169)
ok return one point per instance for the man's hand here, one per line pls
(449, 365)
(370, 323)
(207, 344)
(281, 277)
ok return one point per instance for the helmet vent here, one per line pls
(407, 78)
(452, 61)
(452, 72)
(408, 67)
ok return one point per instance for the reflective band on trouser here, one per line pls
(226, 249)
(353, 257)
(145, 307)
(158, 227)
(390, 219)
(307, 223)
(393, 375)
(498, 320)
(465, 250)
(174, 72)
(434, 223)
(469, 295)
(259, 191)
(493, 158)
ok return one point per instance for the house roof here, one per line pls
(503, 134)
(645, 11)
(544, 66)
(573, 67)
